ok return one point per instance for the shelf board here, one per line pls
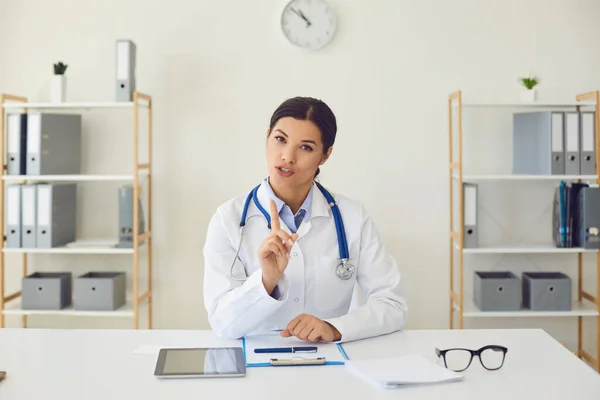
(579, 309)
(80, 246)
(526, 249)
(515, 177)
(69, 250)
(65, 178)
(535, 104)
(73, 105)
(14, 308)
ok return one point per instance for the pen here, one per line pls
(309, 349)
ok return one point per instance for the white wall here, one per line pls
(217, 70)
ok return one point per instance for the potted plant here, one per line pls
(529, 94)
(58, 85)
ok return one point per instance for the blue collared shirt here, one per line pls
(285, 212)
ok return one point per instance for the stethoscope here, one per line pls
(345, 268)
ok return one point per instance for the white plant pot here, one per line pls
(528, 95)
(58, 88)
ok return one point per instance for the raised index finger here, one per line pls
(274, 215)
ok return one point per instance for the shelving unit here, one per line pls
(71, 178)
(11, 304)
(587, 304)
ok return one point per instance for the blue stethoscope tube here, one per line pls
(345, 269)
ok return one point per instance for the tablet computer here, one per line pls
(225, 362)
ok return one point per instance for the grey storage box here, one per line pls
(46, 291)
(546, 291)
(99, 291)
(496, 291)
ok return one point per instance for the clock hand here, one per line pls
(301, 15)
(308, 23)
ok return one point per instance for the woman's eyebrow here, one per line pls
(303, 141)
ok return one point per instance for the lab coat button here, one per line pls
(296, 299)
(295, 254)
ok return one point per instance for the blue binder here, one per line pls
(566, 214)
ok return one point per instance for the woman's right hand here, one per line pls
(274, 251)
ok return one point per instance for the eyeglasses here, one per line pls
(491, 357)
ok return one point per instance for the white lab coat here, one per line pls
(310, 284)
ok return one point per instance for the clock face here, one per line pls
(309, 24)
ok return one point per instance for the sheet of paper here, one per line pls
(401, 371)
(330, 351)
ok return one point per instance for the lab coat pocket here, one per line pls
(333, 293)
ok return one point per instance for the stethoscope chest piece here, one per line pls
(345, 270)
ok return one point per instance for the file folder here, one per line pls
(559, 216)
(125, 70)
(572, 163)
(13, 216)
(29, 210)
(573, 212)
(470, 230)
(566, 217)
(538, 143)
(126, 227)
(588, 219)
(16, 142)
(53, 144)
(56, 214)
(333, 353)
(588, 143)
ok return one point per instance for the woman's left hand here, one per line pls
(308, 327)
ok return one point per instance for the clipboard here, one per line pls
(327, 353)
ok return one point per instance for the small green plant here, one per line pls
(530, 82)
(60, 68)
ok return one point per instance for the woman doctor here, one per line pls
(290, 277)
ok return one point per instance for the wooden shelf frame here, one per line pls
(456, 239)
(140, 101)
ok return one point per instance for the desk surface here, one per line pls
(101, 364)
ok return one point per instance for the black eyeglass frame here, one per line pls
(474, 353)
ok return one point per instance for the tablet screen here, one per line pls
(201, 361)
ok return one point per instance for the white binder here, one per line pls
(588, 143)
(13, 216)
(29, 198)
(56, 214)
(53, 143)
(557, 148)
(572, 164)
(16, 125)
(125, 70)
(470, 230)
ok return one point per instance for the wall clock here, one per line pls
(309, 24)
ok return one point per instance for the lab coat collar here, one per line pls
(319, 206)
(306, 205)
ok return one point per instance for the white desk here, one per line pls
(100, 364)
